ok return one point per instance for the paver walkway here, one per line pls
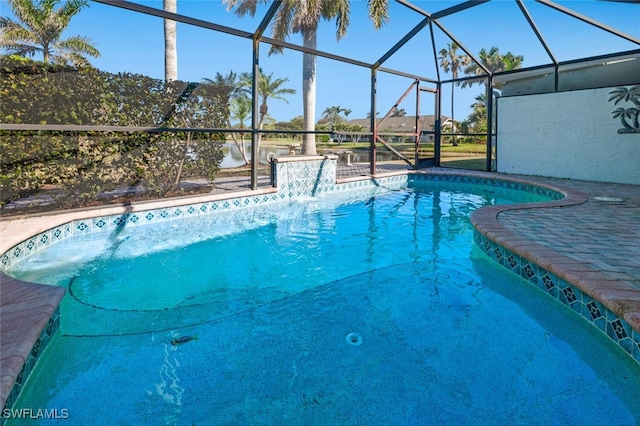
(603, 232)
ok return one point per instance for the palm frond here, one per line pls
(342, 18)
(27, 13)
(379, 12)
(243, 7)
(282, 24)
(77, 44)
(70, 9)
(307, 14)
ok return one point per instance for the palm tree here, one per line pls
(451, 62)
(239, 105)
(479, 113)
(494, 62)
(170, 43)
(240, 109)
(40, 31)
(332, 113)
(268, 88)
(399, 112)
(295, 16)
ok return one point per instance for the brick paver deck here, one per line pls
(603, 232)
(591, 239)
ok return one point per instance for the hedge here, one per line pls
(82, 165)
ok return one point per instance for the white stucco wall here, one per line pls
(566, 135)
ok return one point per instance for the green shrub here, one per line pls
(83, 164)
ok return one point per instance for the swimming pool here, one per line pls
(331, 310)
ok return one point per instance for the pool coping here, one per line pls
(31, 310)
(619, 296)
(30, 318)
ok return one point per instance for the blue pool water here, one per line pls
(328, 311)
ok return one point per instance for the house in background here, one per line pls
(391, 129)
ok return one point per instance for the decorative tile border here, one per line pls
(295, 178)
(489, 181)
(315, 177)
(589, 308)
(112, 222)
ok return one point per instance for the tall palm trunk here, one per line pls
(170, 45)
(45, 53)
(309, 91)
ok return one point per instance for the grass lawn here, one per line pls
(465, 163)
(428, 147)
(452, 156)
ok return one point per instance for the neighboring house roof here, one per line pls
(399, 124)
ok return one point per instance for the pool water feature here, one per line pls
(372, 310)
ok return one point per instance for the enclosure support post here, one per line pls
(373, 127)
(416, 160)
(489, 122)
(255, 73)
(437, 126)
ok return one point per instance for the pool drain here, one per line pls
(354, 339)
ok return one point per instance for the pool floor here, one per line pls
(434, 344)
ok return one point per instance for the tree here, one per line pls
(494, 62)
(477, 120)
(451, 62)
(40, 30)
(332, 114)
(296, 123)
(170, 43)
(295, 16)
(268, 88)
(240, 111)
(479, 113)
(399, 112)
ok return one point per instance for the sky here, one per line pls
(132, 42)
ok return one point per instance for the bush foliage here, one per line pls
(81, 165)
